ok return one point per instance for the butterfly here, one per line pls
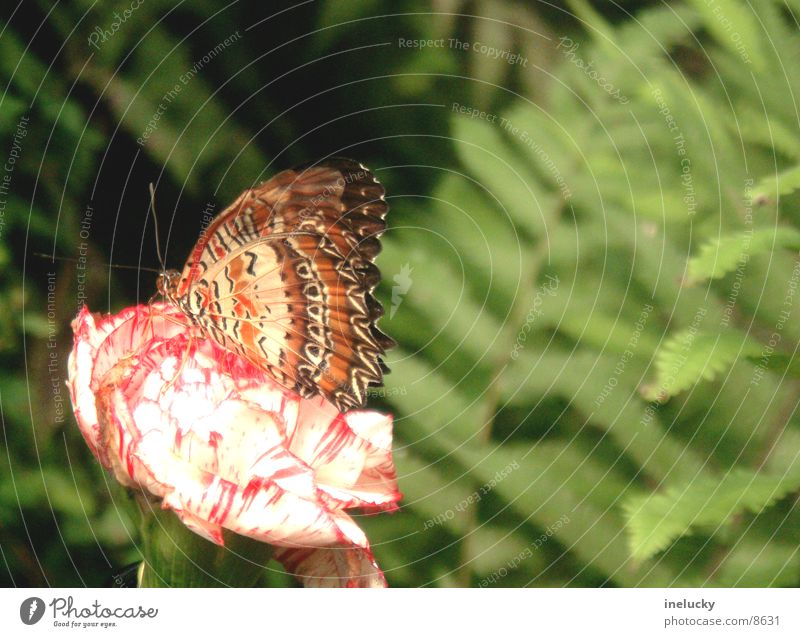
(284, 276)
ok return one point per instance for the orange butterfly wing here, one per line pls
(284, 276)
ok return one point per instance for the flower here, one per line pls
(221, 444)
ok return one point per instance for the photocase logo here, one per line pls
(403, 281)
(31, 610)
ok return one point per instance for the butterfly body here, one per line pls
(283, 277)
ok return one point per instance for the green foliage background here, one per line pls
(595, 282)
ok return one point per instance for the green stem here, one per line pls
(174, 556)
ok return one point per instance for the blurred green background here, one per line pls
(591, 267)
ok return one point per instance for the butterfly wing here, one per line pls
(284, 278)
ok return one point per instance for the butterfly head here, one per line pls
(167, 283)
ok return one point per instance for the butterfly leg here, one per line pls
(146, 334)
(186, 352)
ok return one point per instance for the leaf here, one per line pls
(439, 293)
(583, 378)
(784, 183)
(725, 254)
(754, 126)
(690, 356)
(543, 493)
(734, 27)
(784, 365)
(486, 155)
(435, 407)
(656, 28)
(777, 564)
(654, 521)
(333, 15)
(462, 218)
(13, 109)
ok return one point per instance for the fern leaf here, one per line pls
(691, 356)
(756, 128)
(784, 183)
(724, 18)
(483, 151)
(722, 255)
(654, 521)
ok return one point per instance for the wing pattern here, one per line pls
(284, 278)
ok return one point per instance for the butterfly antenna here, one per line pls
(55, 258)
(155, 226)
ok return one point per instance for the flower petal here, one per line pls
(173, 413)
(336, 566)
(351, 468)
